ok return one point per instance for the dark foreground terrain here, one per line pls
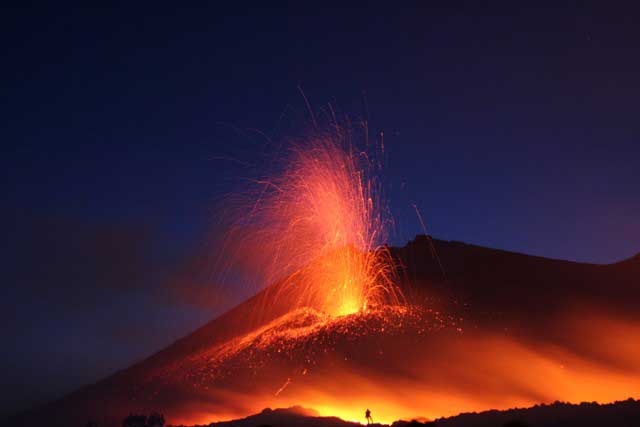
(617, 414)
(625, 413)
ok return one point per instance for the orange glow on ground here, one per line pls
(345, 339)
(402, 364)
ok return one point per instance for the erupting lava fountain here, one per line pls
(322, 223)
(342, 322)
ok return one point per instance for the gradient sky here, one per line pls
(511, 127)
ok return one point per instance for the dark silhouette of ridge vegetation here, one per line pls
(587, 414)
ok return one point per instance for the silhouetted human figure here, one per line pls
(367, 415)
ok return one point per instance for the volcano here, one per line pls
(481, 329)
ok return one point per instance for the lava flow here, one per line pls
(335, 331)
(338, 326)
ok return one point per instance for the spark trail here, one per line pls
(319, 227)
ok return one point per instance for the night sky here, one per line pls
(512, 127)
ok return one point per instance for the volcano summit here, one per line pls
(500, 330)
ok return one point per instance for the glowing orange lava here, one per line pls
(340, 341)
(402, 362)
(319, 227)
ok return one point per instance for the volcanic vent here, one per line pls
(317, 226)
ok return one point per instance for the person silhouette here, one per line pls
(367, 415)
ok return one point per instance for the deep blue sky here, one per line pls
(512, 127)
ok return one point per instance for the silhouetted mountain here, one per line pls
(296, 416)
(497, 285)
(496, 330)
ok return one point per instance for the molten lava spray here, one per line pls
(318, 228)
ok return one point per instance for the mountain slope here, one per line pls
(496, 330)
